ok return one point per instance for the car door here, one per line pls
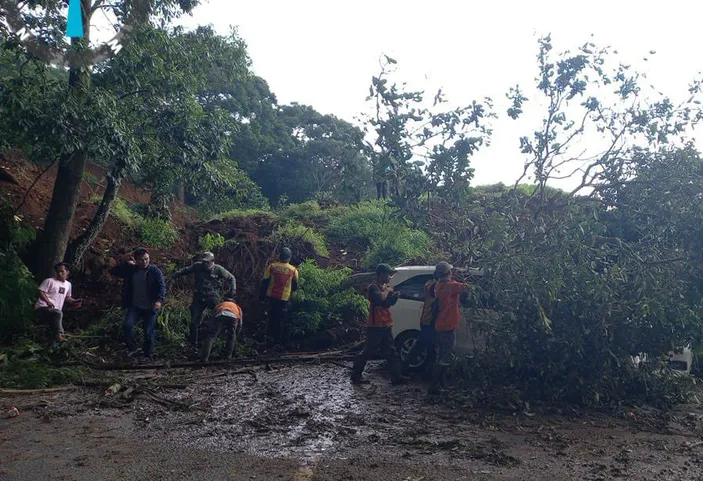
(408, 309)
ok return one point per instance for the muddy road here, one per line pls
(309, 423)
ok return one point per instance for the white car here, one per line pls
(410, 282)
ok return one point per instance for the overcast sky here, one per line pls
(324, 53)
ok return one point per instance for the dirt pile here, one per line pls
(249, 245)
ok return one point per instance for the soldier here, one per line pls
(208, 279)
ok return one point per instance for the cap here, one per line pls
(384, 269)
(443, 268)
(208, 256)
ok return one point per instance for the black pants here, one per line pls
(278, 320)
(199, 305)
(378, 340)
(425, 343)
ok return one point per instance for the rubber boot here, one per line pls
(207, 347)
(229, 348)
(357, 376)
(194, 336)
(437, 380)
(395, 365)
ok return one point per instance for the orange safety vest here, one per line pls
(447, 294)
(229, 306)
(378, 316)
(427, 311)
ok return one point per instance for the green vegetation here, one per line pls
(320, 304)
(211, 242)
(375, 227)
(292, 234)
(155, 232)
(18, 289)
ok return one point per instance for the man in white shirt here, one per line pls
(53, 292)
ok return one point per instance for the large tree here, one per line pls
(73, 132)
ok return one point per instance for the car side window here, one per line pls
(413, 288)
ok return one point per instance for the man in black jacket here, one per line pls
(143, 295)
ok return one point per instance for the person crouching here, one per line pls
(228, 316)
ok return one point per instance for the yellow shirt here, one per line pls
(281, 275)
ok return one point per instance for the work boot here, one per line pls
(359, 380)
(193, 339)
(207, 347)
(438, 383)
(396, 368)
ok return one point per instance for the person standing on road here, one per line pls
(449, 294)
(228, 316)
(279, 283)
(379, 335)
(208, 279)
(426, 340)
(52, 294)
(143, 295)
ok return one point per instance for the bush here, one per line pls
(210, 242)
(24, 367)
(158, 233)
(387, 238)
(311, 212)
(320, 303)
(121, 211)
(235, 213)
(291, 234)
(18, 289)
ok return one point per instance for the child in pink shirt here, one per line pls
(53, 292)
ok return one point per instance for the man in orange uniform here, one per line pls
(426, 340)
(228, 315)
(449, 293)
(379, 335)
(280, 282)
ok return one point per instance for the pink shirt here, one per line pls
(56, 291)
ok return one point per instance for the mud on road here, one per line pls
(309, 423)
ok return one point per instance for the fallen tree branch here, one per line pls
(37, 391)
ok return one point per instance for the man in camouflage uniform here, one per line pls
(208, 280)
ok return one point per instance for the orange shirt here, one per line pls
(282, 275)
(447, 293)
(231, 307)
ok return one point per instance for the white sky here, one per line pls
(323, 53)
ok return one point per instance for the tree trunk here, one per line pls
(78, 247)
(51, 245)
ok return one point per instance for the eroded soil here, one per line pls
(309, 423)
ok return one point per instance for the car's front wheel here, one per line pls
(404, 344)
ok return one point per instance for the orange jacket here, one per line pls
(379, 311)
(447, 293)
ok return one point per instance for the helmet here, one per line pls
(285, 254)
(208, 256)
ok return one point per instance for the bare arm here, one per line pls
(45, 298)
